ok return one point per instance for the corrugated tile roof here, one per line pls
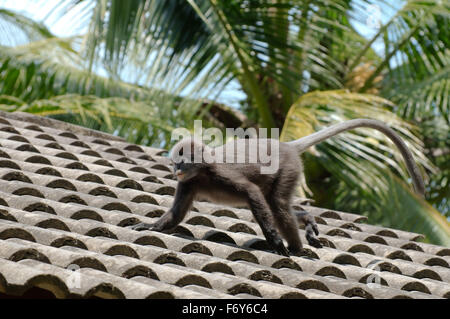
(68, 193)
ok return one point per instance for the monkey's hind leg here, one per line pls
(279, 200)
(310, 227)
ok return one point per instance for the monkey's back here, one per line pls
(261, 161)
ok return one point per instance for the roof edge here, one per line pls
(57, 124)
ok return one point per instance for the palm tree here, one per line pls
(301, 64)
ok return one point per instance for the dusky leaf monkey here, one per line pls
(269, 195)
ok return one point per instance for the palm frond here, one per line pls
(416, 42)
(51, 67)
(225, 39)
(361, 161)
(437, 137)
(418, 97)
(395, 206)
(17, 29)
(351, 151)
(45, 78)
(317, 109)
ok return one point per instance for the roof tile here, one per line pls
(68, 193)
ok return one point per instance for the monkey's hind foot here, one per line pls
(310, 228)
(313, 241)
(142, 226)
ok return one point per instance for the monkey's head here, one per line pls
(188, 158)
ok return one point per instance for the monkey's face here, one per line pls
(187, 158)
(185, 170)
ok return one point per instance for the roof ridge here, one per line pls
(57, 124)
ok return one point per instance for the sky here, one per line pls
(41, 10)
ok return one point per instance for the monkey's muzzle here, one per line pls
(179, 174)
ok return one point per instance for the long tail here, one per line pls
(305, 142)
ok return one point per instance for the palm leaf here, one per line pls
(17, 29)
(317, 109)
(361, 160)
(417, 98)
(48, 77)
(228, 39)
(411, 213)
(415, 63)
(51, 67)
(394, 206)
(45, 78)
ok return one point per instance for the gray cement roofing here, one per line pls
(68, 193)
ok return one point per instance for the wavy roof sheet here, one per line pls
(67, 193)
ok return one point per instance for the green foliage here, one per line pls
(18, 29)
(417, 70)
(358, 162)
(46, 78)
(319, 109)
(397, 207)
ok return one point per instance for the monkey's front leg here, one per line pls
(263, 216)
(184, 195)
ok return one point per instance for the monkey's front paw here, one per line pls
(142, 226)
(280, 248)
